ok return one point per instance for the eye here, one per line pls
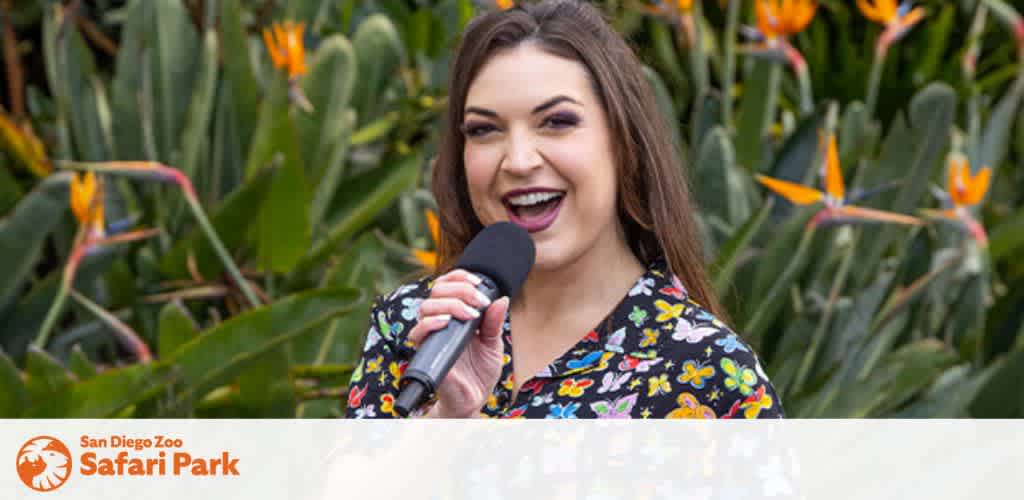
(476, 129)
(562, 120)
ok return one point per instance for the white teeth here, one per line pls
(533, 198)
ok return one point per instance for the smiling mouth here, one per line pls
(537, 216)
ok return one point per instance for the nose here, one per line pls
(521, 154)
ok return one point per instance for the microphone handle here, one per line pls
(437, 354)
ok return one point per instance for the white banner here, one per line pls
(337, 459)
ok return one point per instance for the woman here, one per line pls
(551, 125)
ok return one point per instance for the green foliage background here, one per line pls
(321, 209)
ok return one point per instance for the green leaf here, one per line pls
(232, 221)
(13, 393)
(931, 117)
(995, 139)
(1001, 397)
(729, 254)
(45, 376)
(380, 52)
(223, 351)
(360, 201)
(104, 395)
(80, 364)
(756, 112)
(284, 225)
(1006, 238)
(23, 232)
(245, 91)
(200, 110)
(329, 86)
(176, 328)
(177, 45)
(720, 191)
(665, 104)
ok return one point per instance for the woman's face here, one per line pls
(538, 153)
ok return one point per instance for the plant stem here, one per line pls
(218, 246)
(51, 316)
(875, 79)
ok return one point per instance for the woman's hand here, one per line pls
(473, 376)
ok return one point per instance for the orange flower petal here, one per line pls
(433, 226)
(801, 16)
(426, 258)
(833, 175)
(875, 11)
(272, 48)
(978, 186)
(957, 178)
(796, 193)
(767, 17)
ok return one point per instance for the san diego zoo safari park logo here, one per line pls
(45, 463)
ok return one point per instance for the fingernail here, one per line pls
(472, 312)
(475, 279)
(484, 301)
(444, 317)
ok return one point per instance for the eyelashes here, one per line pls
(556, 121)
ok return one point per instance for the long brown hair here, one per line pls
(653, 200)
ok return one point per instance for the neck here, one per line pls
(590, 285)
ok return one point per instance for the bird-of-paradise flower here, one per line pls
(427, 258)
(154, 171)
(963, 191)
(87, 203)
(85, 197)
(836, 209)
(505, 4)
(777, 20)
(284, 44)
(897, 18)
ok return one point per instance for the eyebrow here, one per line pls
(545, 105)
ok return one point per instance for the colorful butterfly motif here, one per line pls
(543, 400)
(731, 343)
(387, 404)
(650, 337)
(658, 385)
(642, 287)
(738, 377)
(355, 395)
(366, 412)
(615, 342)
(574, 388)
(639, 365)
(612, 382)
(690, 407)
(668, 311)
(756, 402)
(695, 373)
(372, 337)
(396, 370)
(559, 411)
(373, 365)
(591, 336)
(516, 412)
(686, 331)
(583, 363)
(619, 408)
(388, 331)
(411, 308)
(638, 316)
(357, 375)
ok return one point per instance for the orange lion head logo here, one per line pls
(44, 463)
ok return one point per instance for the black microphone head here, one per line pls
(502, 251)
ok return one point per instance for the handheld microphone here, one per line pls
(501, 255)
